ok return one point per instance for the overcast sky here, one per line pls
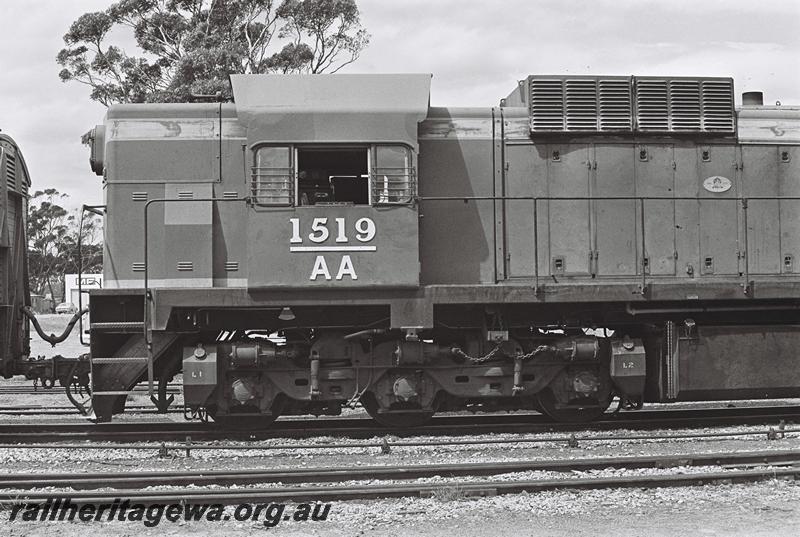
(476, 50)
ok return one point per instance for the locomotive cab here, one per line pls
(333, 180)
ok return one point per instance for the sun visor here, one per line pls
(331, 108)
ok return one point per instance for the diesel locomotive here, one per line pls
(330, 240)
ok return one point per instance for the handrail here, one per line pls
(601, 198)
(742, 200)
(94, 209)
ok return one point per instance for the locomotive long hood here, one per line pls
(331, 108)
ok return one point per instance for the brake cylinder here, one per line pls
(258, 355)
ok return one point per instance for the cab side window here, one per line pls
(332, 176)
(393, 178)
(288, 175)
(273, 176)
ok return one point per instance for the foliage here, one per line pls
(53, 242)
(190, 47)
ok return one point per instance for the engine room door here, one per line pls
(655, 178)
(526, 176)
(760, 177)
(719, 210)
(788, 172)
(568, 173)
(614, 220)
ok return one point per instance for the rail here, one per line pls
(468, 430)
(372, 491)
(403, 472)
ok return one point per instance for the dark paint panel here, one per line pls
(456, 238)
(526, 176)
(742, 357)
(124, 232)
(229, 226)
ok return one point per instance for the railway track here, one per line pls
(360, 428)
(725, 468)
(64, 410)
(173, 388)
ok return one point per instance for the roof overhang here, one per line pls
(331, 108)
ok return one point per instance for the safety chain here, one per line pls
(493, 353)
(538, 350)
(458, 352)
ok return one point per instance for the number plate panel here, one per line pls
(333, 247)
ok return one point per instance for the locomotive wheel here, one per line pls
(548, 405)
(394, 420)
(559, 400)
(247, 417)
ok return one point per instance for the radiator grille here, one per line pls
(684, 102)
(231, 266)
(185, 195)
(628, 104)
(139, 196)
(685, 105)
(185, 266)
(717, 102)
(580, 104)
(652, 105)
(230, 195)
(547, 105)
(137, 267)
(615, 105)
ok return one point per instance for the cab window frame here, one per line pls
(386, 185)
(265, 196)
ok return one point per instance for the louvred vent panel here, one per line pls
(685, 105)
(547, 105)
(628, 104)
(685, 109)
(580, 104)
(717, 102)
(652, 105)
(615, 105)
